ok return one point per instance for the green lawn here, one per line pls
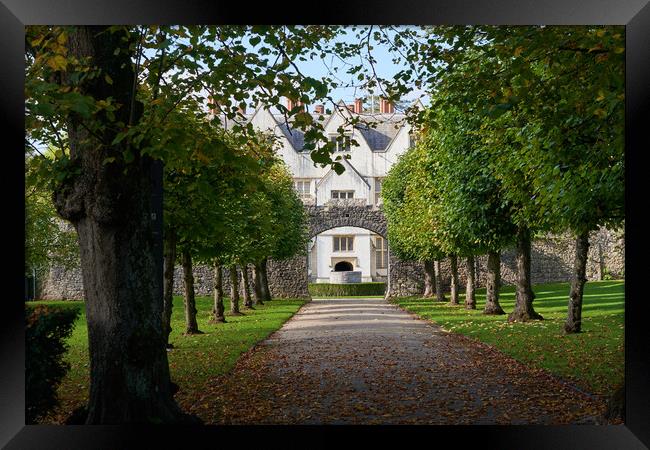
(593, 360)
(348, 296)
(194, 359)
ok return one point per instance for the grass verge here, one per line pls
(193, 360)
(593, 360)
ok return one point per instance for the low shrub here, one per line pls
(346, 290)
(46, 330)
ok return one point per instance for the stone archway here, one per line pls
(288, 278)
(323, 218)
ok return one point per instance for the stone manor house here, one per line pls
(378, 146)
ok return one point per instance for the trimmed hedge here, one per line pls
(46, 330)
(346, 290)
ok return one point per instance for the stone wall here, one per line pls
(405, 278)
(552, 261)
(287, 279)
(61, 284)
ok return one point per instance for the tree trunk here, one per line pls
(524, 298)
(191, 327)
(234, 291)
(601, 262)
(248, 301)
(111, 206)
(574, 318)
(493, 284)
(266, 291)
(218, 309)
(453, 263)
(470, 295)
(440, 296)
(429, 278)
(258, 289)
(168, 292)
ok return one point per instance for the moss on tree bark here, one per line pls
(455, 283)
(470, 293)
(429, 278)
(493, 284)
(573, 322)
(524, 310)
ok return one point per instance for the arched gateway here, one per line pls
(290, 277)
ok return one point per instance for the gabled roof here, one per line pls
(295, 137)
(343, 106)
(379, 130)
(354, 171)
(418, 104)
(382, 132)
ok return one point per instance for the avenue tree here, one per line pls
(556, 150)
(476, 218)
(411, 208)
(84, 91)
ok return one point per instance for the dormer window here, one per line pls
(342, 194)
(341, 146)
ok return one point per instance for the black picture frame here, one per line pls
(635, 14)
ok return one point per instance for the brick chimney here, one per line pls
(291, 104)
(213, 109)
(385, 107)
(358, 105)
(319, 109)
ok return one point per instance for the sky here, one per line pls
(334, 67)
(384, 66)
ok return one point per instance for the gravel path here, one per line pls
(365, 361)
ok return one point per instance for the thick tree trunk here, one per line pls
(266, 291)
(248, 301)
(110, 205)
(574, 318)
(168, 291)
(218, 309)
(440, 296)
(493, 284)
(524, 298)
(234, 291)
(191, 327)
(429, 278)
(470, 294)
(258, 289)
(453, 263)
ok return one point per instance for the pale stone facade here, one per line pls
(378, 148)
